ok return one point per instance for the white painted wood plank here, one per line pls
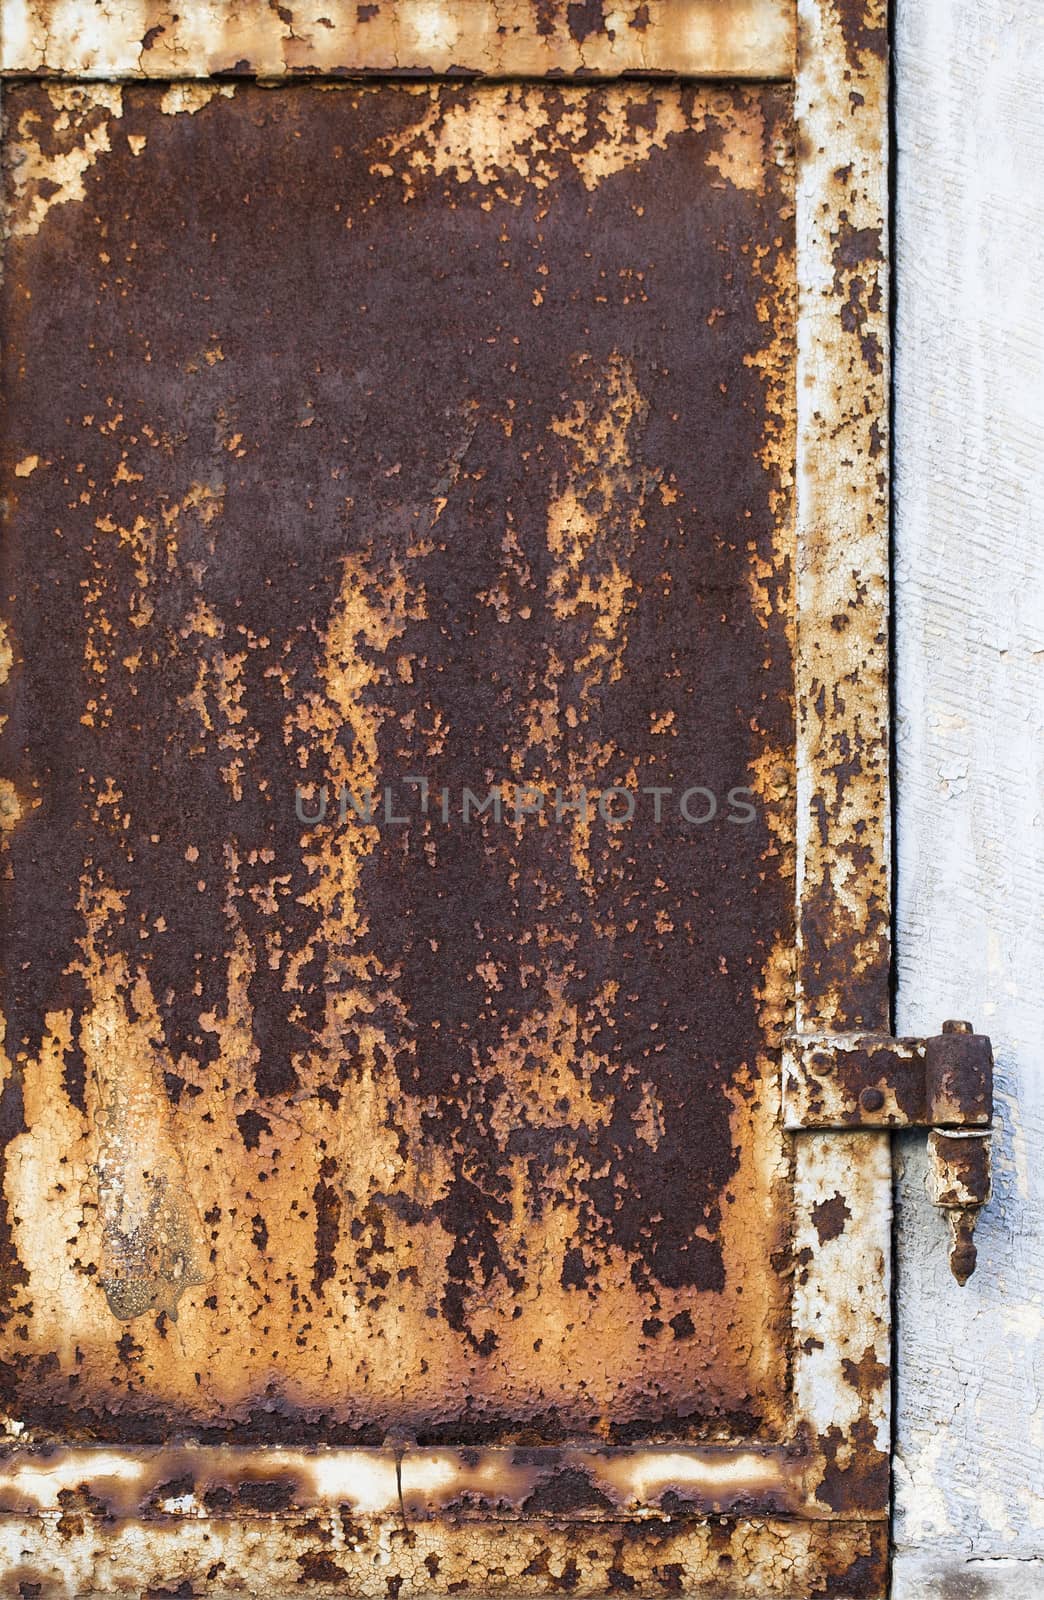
(969, 595)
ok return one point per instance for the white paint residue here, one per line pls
(192, 97)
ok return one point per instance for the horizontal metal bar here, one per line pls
(583, 1483)
(853, 1080)
(374, 1559)
(870, 1080)
(517, 38)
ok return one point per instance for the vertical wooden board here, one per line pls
(969, 599)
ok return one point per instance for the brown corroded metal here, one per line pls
(595, 1484)
(842, 511)
(871, 1080)
(960, 1180)
(225, 1556)
(512, 38)
(842, 1347)
(490, 1226)
(960, 1168)
(842, 1324)
(853, 1080)
(411, 444)
(958, 1066)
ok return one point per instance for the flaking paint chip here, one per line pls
(10, 806)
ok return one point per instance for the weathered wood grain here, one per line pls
(969, 485)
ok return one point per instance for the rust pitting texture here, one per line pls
(855, 1080)
(959, 1074)
(843, 676)
(960, 1169)
(757, 1559)
(864, 29)
(352, 434)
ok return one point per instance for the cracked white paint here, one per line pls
(188, 98)
(40, 182)
(969, 486)
(152, 38)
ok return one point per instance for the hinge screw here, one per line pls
(871, 1099)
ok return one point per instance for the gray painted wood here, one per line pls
(969, 597)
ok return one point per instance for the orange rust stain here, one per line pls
(376, 1226)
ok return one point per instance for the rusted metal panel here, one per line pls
(842, 1318)
(513, 38)
(438, 490)
(445, 431)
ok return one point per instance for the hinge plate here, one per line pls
(870, 1080)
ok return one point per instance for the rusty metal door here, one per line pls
(444, 750)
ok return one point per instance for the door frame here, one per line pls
(811, 1513)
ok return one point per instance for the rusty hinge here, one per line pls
(870, 1080)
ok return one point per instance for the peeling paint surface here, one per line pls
(843, 815)
(760, 1559)
(511, 38)
(970, 757)
(406, 1126)
(392, 1207)
(839, 1080)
